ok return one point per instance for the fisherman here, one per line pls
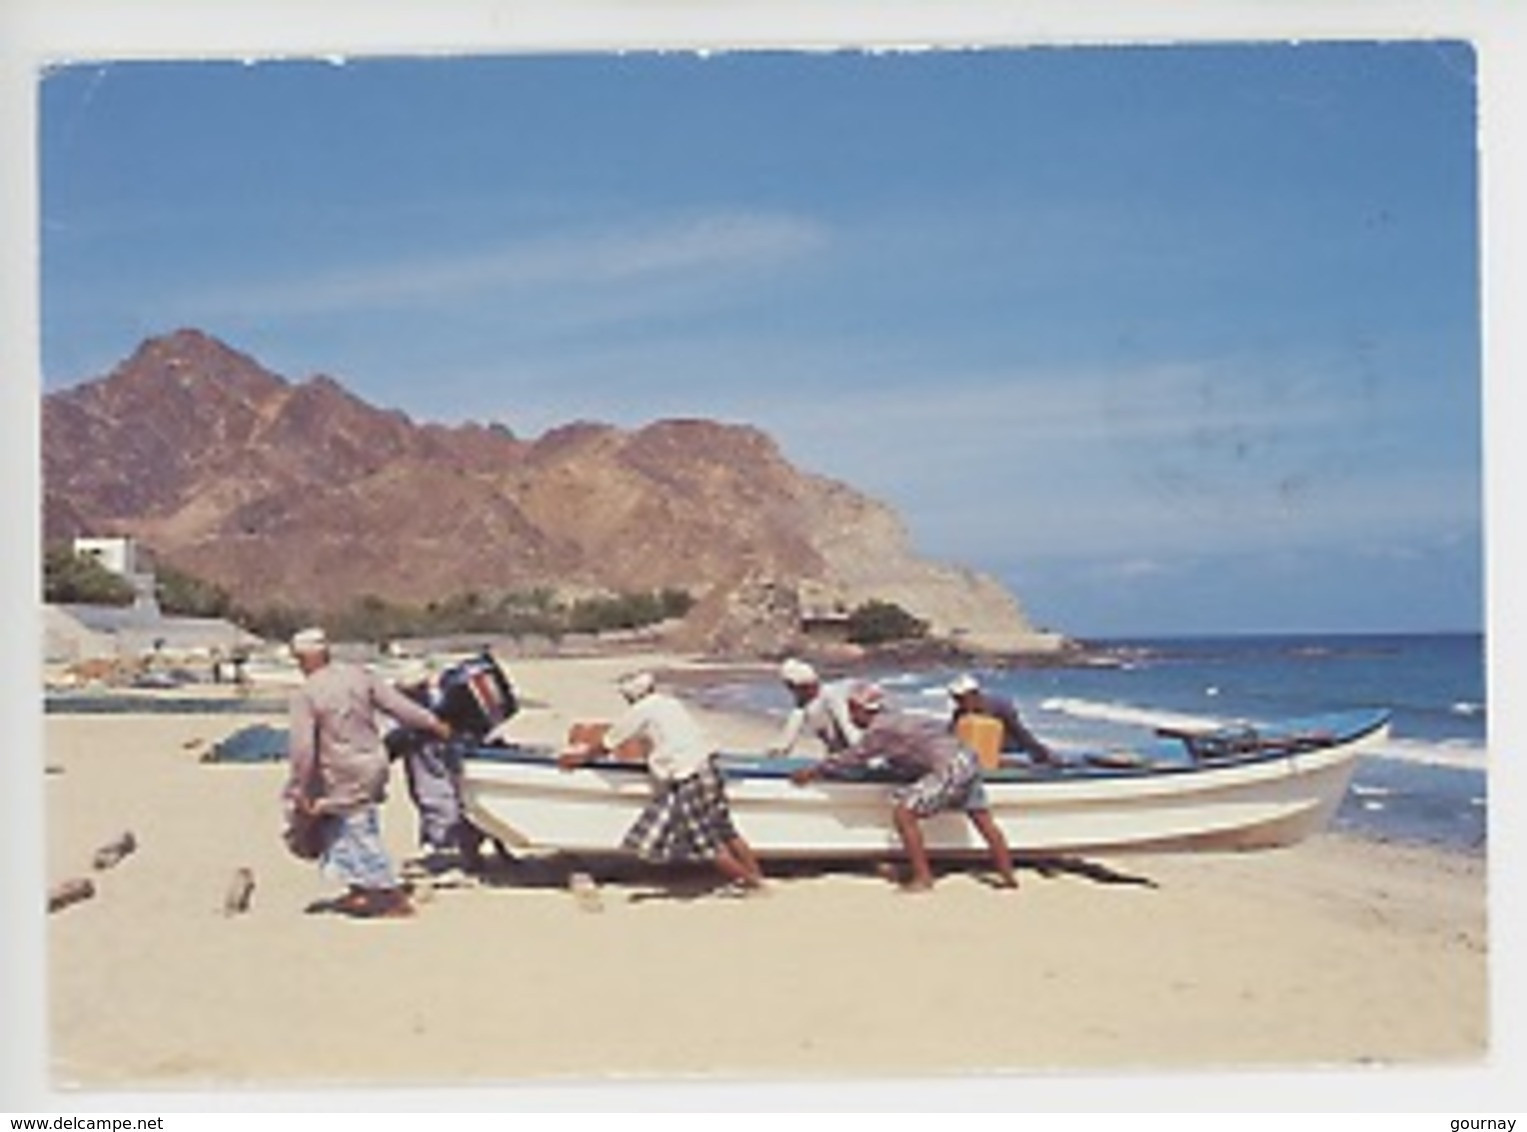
(339, 770)
(970, 699)
(948, 777)
(477, 699)
(432, 770)
(820, 708)
(688, 818)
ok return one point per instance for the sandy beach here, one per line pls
(1336, 954)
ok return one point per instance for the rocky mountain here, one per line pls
(303, 494)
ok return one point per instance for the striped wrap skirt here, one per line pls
(956, 785)
(688, 819)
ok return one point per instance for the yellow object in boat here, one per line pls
(982, 734)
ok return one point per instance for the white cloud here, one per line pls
(1135, 465)
(1132, 569)
(1043, 464)
(712, 247)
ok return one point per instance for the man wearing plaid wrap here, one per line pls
(688, 818)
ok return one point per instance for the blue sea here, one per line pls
(1427, 785)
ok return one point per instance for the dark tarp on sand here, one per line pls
(257, 743)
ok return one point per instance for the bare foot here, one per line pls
(399, 909)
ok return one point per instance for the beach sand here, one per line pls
(1335, 953)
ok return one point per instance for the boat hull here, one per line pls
(1260, 801)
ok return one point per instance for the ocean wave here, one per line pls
(923, 712)
(1455, 754)
(1105, 711)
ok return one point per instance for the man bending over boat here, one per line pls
(948, 778)
(971, 699)
(688, 818)
(820, 708)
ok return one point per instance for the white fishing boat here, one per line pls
(1241, 787)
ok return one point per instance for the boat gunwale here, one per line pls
(738, 767)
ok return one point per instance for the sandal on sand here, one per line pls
(374, 905)
(399, 909)
(353, 903)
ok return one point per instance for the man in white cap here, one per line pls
(475, 697)
(688, 818)
(947, 777)
(339, 770)
(970, 699)
(820, 709)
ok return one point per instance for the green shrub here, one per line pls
(277, 622)
(80, 579)
(186, 595)
(519, 613)
(627, 610)
(881, 622)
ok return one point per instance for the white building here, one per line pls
(120, 556)
(73, 633)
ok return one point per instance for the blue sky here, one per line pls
(1169, 338)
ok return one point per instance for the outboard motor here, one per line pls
(474, 696)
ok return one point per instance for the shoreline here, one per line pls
(1337, 952)
(741, 726)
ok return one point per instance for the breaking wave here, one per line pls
(1106, 712)
(1458, 754)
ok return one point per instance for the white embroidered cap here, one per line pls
(866, 697)
(636, 685)
(797, 672)
(310, 640)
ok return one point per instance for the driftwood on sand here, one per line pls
(114, 850)
(69, 892)
(586, 892)
(240, 892)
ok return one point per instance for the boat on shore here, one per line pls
(1232, 788)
